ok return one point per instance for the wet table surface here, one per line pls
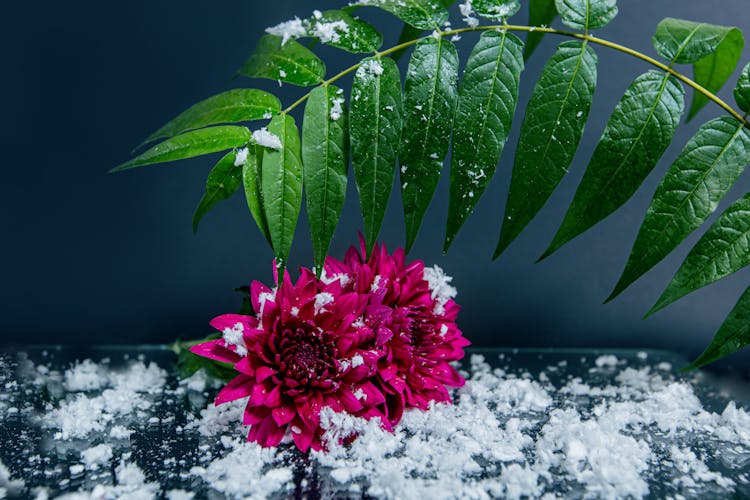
(165, 449)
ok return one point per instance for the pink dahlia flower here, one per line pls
(301, 353)
(410, 308)
(370, 338)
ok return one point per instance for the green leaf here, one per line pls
(586, 14)
(486, 105)
(422, 14)
(689, 193)
(190, 144)
(686, 42)
(430, 102)
(551, 131)
(742, 90)
(496, 9)
(281, 185)
(336, 28)
(637, 134)
(325, 160)
(408, 33)
(733, 335)
(252, 181)
(541, 13)
(713, 71)
(287, 61)
(232, 106)
(724, 249)
(222, 182)
(375, 132)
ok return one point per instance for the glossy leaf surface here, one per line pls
(686, 42)
(551, 131)
(232, 106)
(636, 136)
(422, 14)
(191, 144)
(586, 14)
(375, 123)
(285, 61)
(222, 182)
(721, 251)
(281, 184)
(689, 193)
(430, 102)
(713, 71)
(486, 105)
(325, 161)
(251, 180)
(733, 335)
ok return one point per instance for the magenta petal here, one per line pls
(230, 320)
(302, 436)
(274, 397)
(372, 395)
(255, 414)
(244, 366)
(215, 349)
(263, 372)
(283, 415)
(239, 387)
(349, 400)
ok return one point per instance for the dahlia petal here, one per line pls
(259, 433)
(371, 395)
(215, 349)
(256, 289)
(283, 415)
(225, 321)
(263, 372)
(448, 375)
(255, 414)
(274, 433)
(304, 438)
(273, 399)
(259, 395)
(349, 400)
(394, 408)
(239, 387)
(244, 366)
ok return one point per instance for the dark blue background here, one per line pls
(90, 257)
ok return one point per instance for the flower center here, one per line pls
(307, 357)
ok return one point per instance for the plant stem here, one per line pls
(552, 31)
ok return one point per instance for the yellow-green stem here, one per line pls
(552, 31)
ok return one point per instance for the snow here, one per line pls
(321, 300)
(233, 336)
(511, 433)
(288, 30)
(372, 67)
(241, 157)
(467, 11)
(439, 284)
(336, 108)
(263, 137)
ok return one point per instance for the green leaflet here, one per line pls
(586, 14)
(429, 104)
(496, 9)
(375, 134)
(714, 70)
(287, 61)
(551, 130)
(251, 179)
(722, 250)
(742, 90)
(190, 144)
(637, 134)
(232, 106)
(689, 193)
(541, 13)
(686, 42)
(223, 180)
(281, 185)
(733, 335)
(409, 32)
(336, 28)
(325, 160)
(486, 105)
(422, 14)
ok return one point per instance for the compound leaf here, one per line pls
(422, 14)
(251, 179)
(496, 9)
(742, 90)
(541, 13)
(713, 71)
(686, 42)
